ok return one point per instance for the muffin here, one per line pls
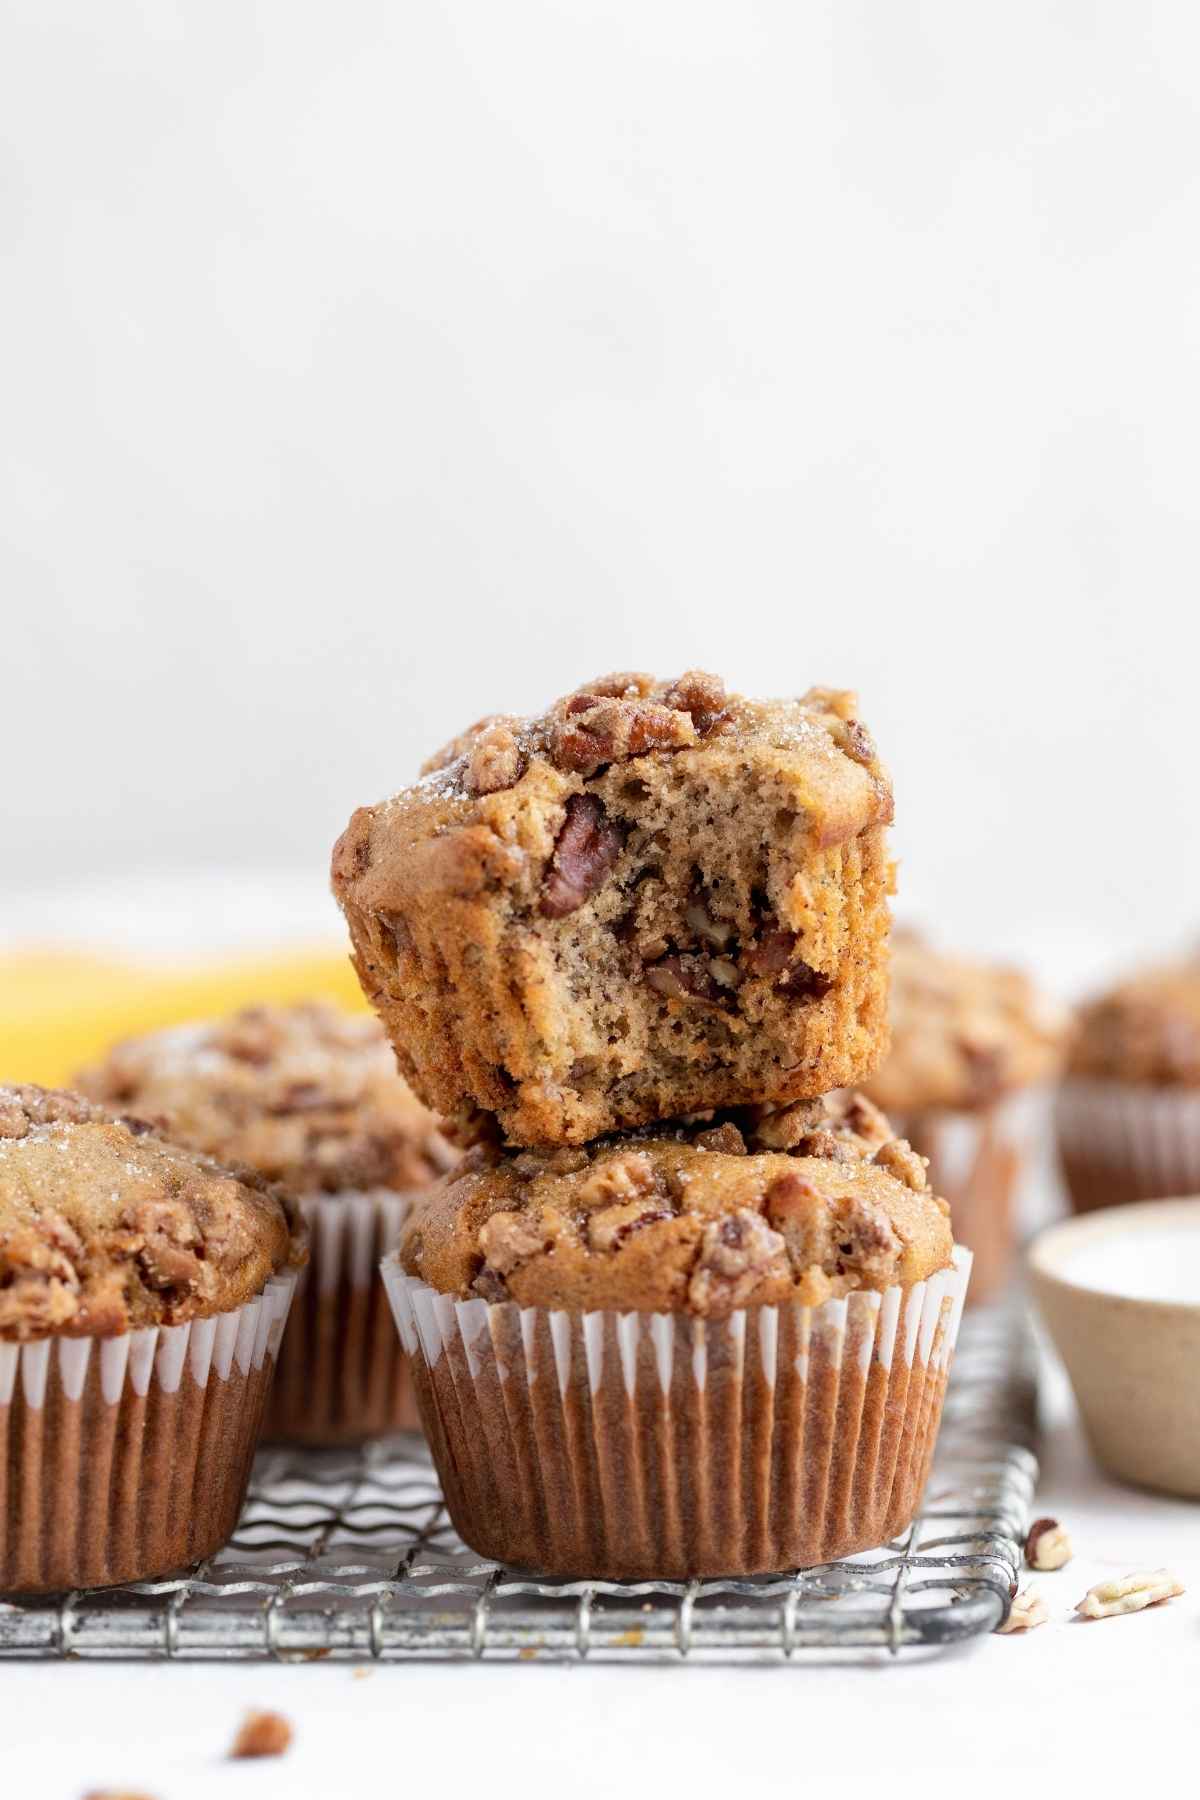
(143, 1293)
(655, 899)
(309, 1097)
(971, 1043)
(711, 1347)
(1128, 1111)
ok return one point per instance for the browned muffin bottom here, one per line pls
(654, 899)
(964, 1032)
(1145, 1031)
(807, 1202)
(671, 1401)
(106, 1226)
(307, 1095)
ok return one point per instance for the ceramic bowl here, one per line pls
(1119, 1291)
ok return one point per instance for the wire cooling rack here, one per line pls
(350, 1555)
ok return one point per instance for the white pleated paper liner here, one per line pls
(342, 1375)
(126, 1457)
(978, 1158)
(1118, 1142)
(639, 1445)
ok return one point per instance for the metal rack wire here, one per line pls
(350, 1555)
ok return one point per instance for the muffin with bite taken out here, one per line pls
(653, 899)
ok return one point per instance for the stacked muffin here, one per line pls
(972, 1043)
(674, 1313)
(308, 1097)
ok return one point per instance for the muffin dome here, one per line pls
(807, 1202)
(107, 1226)
(964, 1032)
(1145, 1031)
(307, 1095)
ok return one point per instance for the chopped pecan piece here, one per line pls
(596, 731)
(899, 1158)
(13, 1121)
(609, 1227)
(804, 983)
(166, 1232)
(685, 977)
(490, 1287)
(262, 1734)
(859, 743)
(725, 1139)
(1130, 1593)
(510, 1238)
(1027, 1610)
(1047, 1545)
(784, 1127)
(620, 1178)
(862, 1117)
(771, 958)
(866, 1238)
(701, 696)
(716, 932)
(771, 954)
(588, 846)
(794, 1208)
(736, 1255)
(493, 760)
(827, 1145)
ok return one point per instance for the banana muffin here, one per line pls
(973, 1046)
(310, 1097)
(713, 1346)
(1128, 1112)
(657, 898)
(143, 1293)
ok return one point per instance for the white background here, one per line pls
(366, 368)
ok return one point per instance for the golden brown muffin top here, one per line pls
(1146, 1030)
(964, 1033)
(307, 1095)
(105, 1226)
(482, 809)
(805, 1202)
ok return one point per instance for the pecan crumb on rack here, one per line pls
(1047, 1545)
(262, 1734)
(1129, 1593)
(1028, 1609)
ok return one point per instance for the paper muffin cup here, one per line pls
(122, 1458)
(612, 1445)
(1118, 1142)
(343, 1376)
(977, 1160)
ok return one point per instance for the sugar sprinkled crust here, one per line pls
(105, 1226)
(655, 898)
(1145, 1031)
(805, 1202)
(964, 1032)
(308, 1095)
